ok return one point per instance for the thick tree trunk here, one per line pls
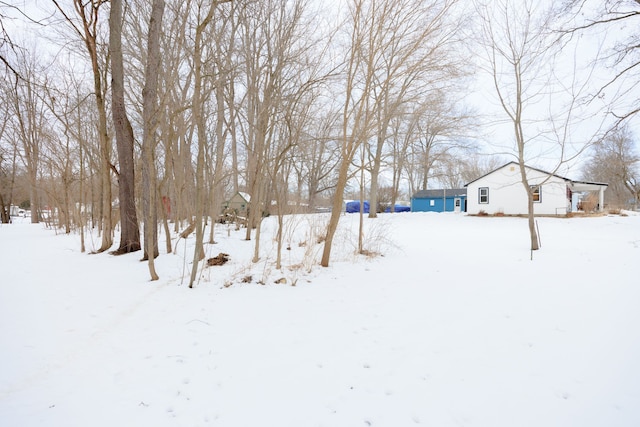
(130, 232)
(4, 211)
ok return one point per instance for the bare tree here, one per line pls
(272, 46)
(439, 134)
(61, 153)
(86, 25)
(415, 56)
(130, 231)
(401, 137)
(616, 161)
(7, 167)
(290, 135)
(197, 108)
(7, 46)
(357, 118)
(29, 121)
(521, 56)
(224, 37)
(150, 124)
(316, 160)
(177, 128)
(475, 165)
(621, 58)
(396, 51)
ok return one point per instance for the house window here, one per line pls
(483, 195)
(432, 202)
(536, 190)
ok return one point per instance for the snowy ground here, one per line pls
(453, 326)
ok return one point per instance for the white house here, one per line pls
(501, 191)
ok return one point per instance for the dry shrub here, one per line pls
(370, 254)
(377, 239)
(589, 203)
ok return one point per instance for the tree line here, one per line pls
(117, 114)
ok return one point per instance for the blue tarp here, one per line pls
(399, 208)
(354, 206)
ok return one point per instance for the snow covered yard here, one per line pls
(453, 326)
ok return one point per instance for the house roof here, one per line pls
(444, 192)
(577, 185)
(244, 195)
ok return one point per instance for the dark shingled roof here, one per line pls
(432, 194)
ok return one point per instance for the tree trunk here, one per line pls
(150, 116)
(81, 205)
(218, 189)
(197, 107)
(375, 171)
(336, 211)
(535, 242)
(130, 232)
(4, 212)
(530, 213)
(104, 207)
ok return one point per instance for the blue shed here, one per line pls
(445, 200)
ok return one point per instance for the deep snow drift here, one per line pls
(453, 325)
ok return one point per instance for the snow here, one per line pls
(453, 325)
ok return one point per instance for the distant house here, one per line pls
(501, 191)
(444, 200)
(238, 203)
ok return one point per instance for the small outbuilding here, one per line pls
(501, 192)
(238, 204)
(443, 200)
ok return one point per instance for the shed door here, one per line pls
(457, 204)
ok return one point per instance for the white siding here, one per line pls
(508, 196)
